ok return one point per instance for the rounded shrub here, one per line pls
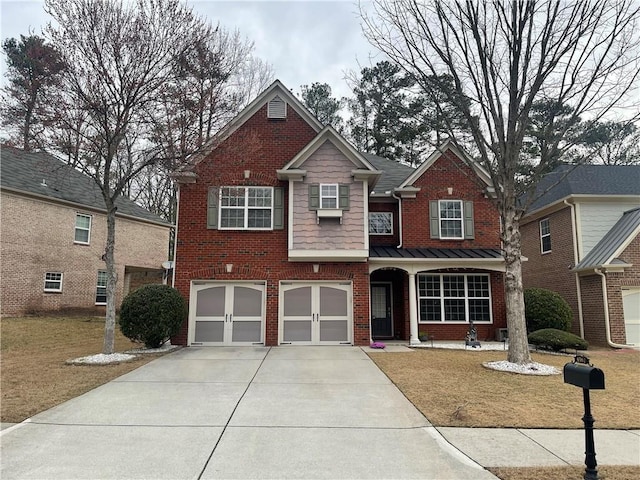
(151, 314)
(546, 309)
(556, 340)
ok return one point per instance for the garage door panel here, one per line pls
(210, 302)
(334, 330)
(333, 302)
(631, 305)
(297, 331)
(297, 302)
(247, 302)
(209, 332)
(249, 331)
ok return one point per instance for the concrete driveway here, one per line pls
(285, 412)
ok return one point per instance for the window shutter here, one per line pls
(434, 219)
(343, 197)
(212, 208)
(468, 220)
(314, 196)
(278, 208)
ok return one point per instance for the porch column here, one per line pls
(413, 311)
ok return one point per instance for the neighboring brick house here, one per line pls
(288, 235)
(581, 240)
(54, 234)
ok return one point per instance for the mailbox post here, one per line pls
(582, 374)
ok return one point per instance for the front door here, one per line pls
(315, 314)
(381, 318)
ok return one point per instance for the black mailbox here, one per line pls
(584, 376)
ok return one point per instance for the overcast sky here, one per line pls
(305, 41)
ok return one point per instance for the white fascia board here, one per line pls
(413, 265)
(328, 255)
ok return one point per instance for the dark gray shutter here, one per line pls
(468, 220)
(212, 208)
(434, 219)
(343, 197)
(278, 208)
(314, 196)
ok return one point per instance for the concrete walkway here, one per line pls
(286, 412)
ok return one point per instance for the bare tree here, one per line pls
(119, 57)
(504, 56)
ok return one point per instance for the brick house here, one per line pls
(581, 240)
(288, 235)
(54, 235)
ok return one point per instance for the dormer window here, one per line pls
(277, 108)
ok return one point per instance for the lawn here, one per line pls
(33, 353)
(450, 387)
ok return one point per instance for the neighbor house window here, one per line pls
(83, 229)
(450, 219)
(101, 288)
(53, 282)
(380, 223)
(545, 236)
(329, 195)
(246, 208)
(454, 298)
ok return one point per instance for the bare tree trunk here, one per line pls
(108, 345)
(514, 291)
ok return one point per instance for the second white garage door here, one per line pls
(315, 313)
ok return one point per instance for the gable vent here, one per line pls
(277, 108)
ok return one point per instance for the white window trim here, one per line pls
(75, 228)
(461, 219)
(335, 197)
(98, 285)
(389, 214)
(245, 207)
(48, 280)
(542, 236)
(466, 299)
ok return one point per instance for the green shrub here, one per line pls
(557, 340)
(546, 309)
(151, 314)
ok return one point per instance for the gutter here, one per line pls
(399, 218)
(575, 262)
(605, 300)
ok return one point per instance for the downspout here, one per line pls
(574, 227)
(175, 237)
(399, 218)
(605, 299)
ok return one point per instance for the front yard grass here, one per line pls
(452, 388)
(34, 376)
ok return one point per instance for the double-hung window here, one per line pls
(454, 298)
(381, 223)
(53, 282)
(329, 195)
(83, 229)
(101, 288)
(450, 219)
(545, 236)
(246, 208)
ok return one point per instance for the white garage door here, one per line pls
(315, 313)
(226, 313)
(631, 302)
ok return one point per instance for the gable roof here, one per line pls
(613, 243)
(362, 166)
(439, 152)
(599, 180)
(41, 174)
(393, 174)
(277, 88)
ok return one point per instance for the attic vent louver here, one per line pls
(277, 108)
